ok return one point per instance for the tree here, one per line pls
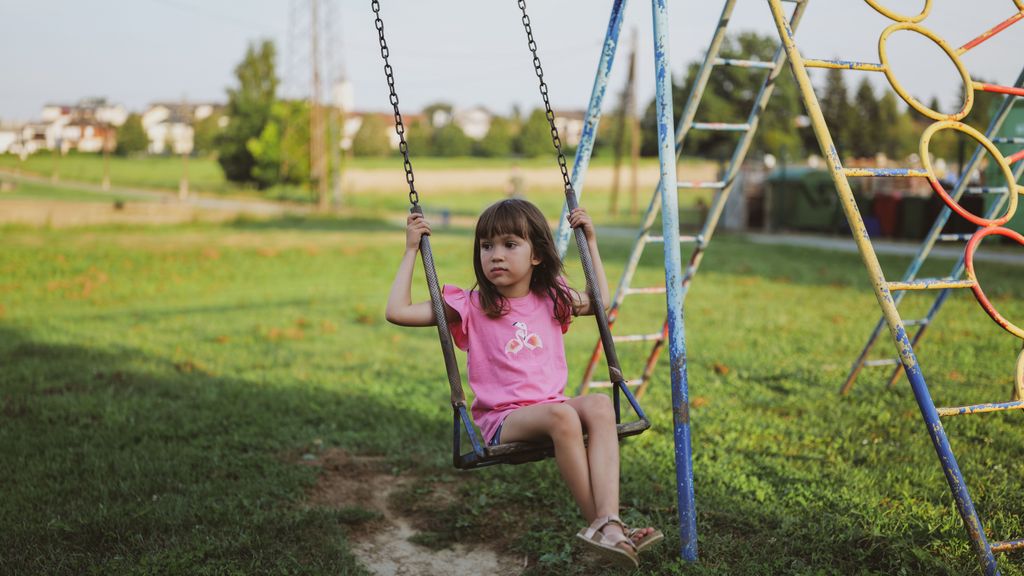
(839, 114)
(895, 130)
(535, 138)
(249, 109)
(372, 137)
(498, 141)
(131, 137)
(281, 153)
(450, 140)
(864, 132)
(205, 134)
(729, 97)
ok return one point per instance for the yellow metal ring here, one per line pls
(1019, 4)
(901, 18)
(980, 138)
(1018, 390)
(964, 74)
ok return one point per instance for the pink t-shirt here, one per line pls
(515, 360)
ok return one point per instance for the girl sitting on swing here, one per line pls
(511, 327)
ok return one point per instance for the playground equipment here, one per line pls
(1002, 194)
(521, 452)
(723, 187)
(511, 452)
(990, 224)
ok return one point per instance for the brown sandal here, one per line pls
(608, 545)
(645, 542)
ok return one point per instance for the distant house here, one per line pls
(474, 122)
(570, 125)
(354, 121)
(85, 126)
(87, 110)
(169, 126)
(9, 137)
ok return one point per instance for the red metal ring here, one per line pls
(976, 288)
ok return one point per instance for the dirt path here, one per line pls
(386, 547)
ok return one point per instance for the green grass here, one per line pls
(160, 386)
(205, 176)
(153, 172)
(34, 191)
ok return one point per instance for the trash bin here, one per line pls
(914, 222)
(886, 208)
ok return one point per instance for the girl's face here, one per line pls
(507, 261)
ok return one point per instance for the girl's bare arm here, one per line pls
(400, 309)
(579, 218)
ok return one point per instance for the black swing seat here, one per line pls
(524, 452)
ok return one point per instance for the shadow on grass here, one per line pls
(116, 462)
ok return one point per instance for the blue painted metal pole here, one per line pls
(586, 146)
(673, 283)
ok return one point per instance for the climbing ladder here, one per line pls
(883, 288)
(936, 235)
(700, 242)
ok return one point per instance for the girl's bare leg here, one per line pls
(597, 414)
(561, 423)
(598, 418)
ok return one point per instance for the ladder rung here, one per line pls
(980, 408)
(955, 237)
(847, 64)
(931, 284)
(890, 172)
(720, 127)
(1008, 140)
(744, 63)
(987, 190)
(918, 322)
(682, 238)
(697, 184)
(883, 362)
(656, 337)
(1007, 545)
(647, 290)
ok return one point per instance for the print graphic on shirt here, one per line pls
(523, 339)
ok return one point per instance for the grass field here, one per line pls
(456, 186)
(164, 389)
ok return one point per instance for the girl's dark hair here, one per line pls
(525, 220)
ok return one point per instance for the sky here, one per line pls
(135, 52)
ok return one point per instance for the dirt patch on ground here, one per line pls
(387, 546)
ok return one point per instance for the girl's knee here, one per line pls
(564, 421)
(598, 407)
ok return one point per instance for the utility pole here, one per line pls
(634, 123)
(626, 118)
(106, 156)
(185, 151)
(317, 158)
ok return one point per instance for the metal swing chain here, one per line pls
(544, 94)
(614, 368)
(403, 146)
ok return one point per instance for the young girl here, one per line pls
(511, 328)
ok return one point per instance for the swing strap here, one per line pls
(458, 396)
(614, 370)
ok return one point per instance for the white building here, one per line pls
(169, 126)
(474, 122)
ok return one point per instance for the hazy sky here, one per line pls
(466, 52)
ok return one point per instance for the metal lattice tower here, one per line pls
(988, 225)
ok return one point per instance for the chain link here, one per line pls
(549, 114)
(403, 146)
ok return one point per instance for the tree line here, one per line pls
(266, 139)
